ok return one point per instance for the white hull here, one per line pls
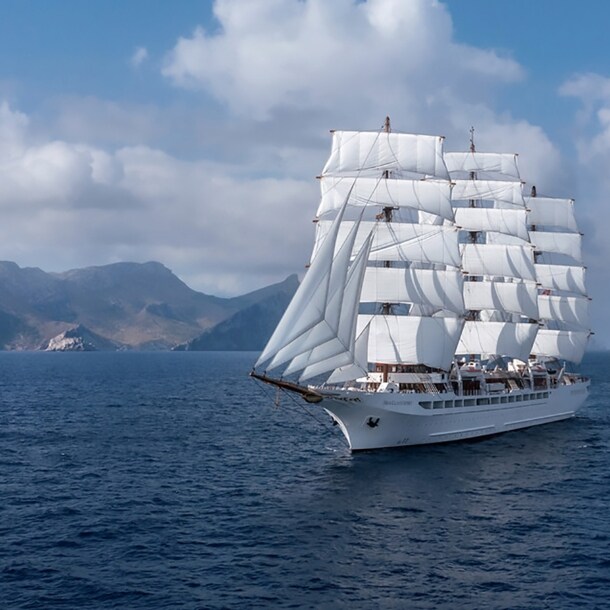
(373, 420)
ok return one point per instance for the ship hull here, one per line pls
(375, 420)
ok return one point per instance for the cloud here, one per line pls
(318, 54)
(592, 133)
(315, 65)
(13, 126)
(220, 187)
(593, 92)
(68, 204)
(592, 141)
(140, 55)
(288, 71)
(107, 122)
(589, 88)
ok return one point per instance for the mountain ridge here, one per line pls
(127, 305)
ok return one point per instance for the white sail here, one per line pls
(308, 306)
(503, 193)
(395, 241)
(359, 366)
(364, 153)
(503, 239)
(564, 344)
(482, 164)
(425, 218)
(509, 297)
(411, 339)
(502, 338)
(550, 212)
(572, 311)
(511, 222)
(434, 288)
(498, 260)
(560, 243)
(345, 355)
(336, 326)
(433, 196)
(562, 277)
(339, 351)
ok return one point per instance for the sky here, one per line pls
(191, 132)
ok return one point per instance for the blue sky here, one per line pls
(551, 39)
(68, 46)
(190, 132)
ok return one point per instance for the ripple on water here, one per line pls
(171, 481)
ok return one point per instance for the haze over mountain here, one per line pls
(128, 306)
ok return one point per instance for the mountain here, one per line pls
(251, 327)
(118, 306)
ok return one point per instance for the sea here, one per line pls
(175, 481)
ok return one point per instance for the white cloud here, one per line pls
(324, 55)
(317, 65)
(299, 68)
(107, 122)
(69, 204)
(592, 141)
(589, 88)
(229, 208)
(13, 126)
(140, 55)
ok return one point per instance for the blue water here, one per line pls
(171, 480)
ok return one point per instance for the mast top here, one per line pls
(472, 148)
(386, 125)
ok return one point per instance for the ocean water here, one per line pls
(172, 480)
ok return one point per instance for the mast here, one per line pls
(387, 210)
(562, 299)
(472, 314)
(534, 193)
(500, 289)
(387, 214)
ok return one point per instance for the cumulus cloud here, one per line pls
(317, 65)
(589, 88)
(269, 54)
(593, 130)
(592, 141)
(107, 122)
(229, 208)
(140, 55)
(68, 204)
(13, 126)
(298, 68)
(593, 92)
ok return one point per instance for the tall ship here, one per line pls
(440, 302)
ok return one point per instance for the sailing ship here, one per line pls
(440, 303)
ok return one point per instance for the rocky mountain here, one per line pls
(118, 306)
(251, 327)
